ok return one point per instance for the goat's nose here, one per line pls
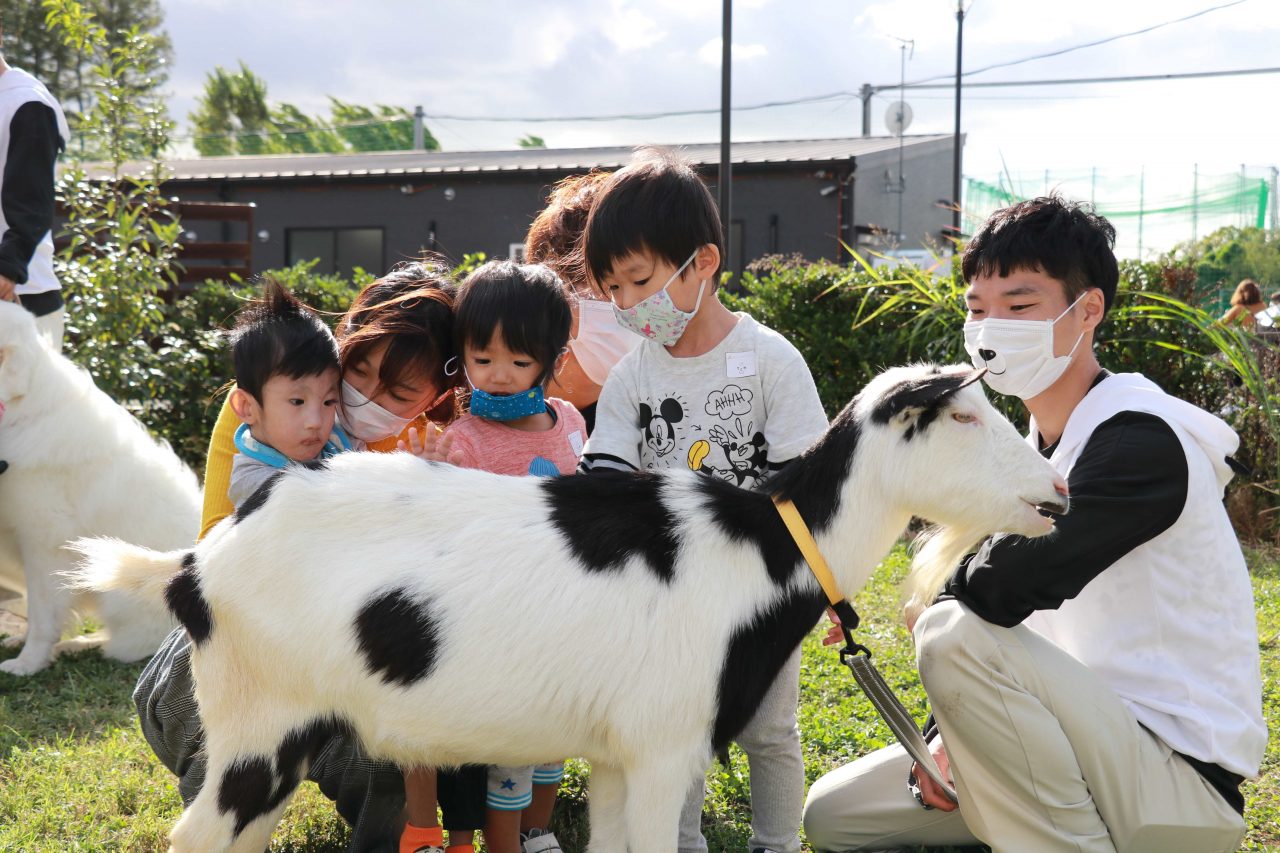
(987, 354)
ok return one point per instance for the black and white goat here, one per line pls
(446, 616)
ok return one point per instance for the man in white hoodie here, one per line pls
(33, 132)
(1097, 689)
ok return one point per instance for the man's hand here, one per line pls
(7, 290)
(835, 634)
(931, 795)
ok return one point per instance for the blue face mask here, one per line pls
(509, 407)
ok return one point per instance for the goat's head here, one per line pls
(937, 449)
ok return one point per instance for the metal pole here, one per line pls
(955, 162)
(902, 134)
(1142, 201)
(1195, 200)
(865, 93)
(726, 161)
(419, 127)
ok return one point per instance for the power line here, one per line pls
(1061, 51)
(646, 116)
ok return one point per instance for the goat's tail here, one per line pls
(937, 553)
(108, 564)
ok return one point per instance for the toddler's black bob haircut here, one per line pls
(526, 301)
(1063, 239)
(656, 203)
(277, 335)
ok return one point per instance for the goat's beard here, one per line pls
(937, 553)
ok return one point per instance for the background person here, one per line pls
(33, 132)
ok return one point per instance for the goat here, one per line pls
(447, 616)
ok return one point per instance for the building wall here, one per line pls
(777, 210)
(928, 181)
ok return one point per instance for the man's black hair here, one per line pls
(1063, 239)
(277, 335)
(527, 301)
(656, 203)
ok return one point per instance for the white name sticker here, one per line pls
(738, 364)
(575, 441)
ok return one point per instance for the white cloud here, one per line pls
(630, 29)
(710, 52)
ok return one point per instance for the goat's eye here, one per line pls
(964, 418)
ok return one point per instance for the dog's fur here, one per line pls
(446, 616)
(79, 465)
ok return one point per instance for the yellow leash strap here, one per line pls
(809, 550)
(858, 657)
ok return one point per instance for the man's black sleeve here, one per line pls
(26, 191)
(1128, 486)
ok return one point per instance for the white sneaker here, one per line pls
(542, 842)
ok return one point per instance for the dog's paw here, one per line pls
(18, 666)
(13, 642)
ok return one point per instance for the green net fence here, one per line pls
(1151, 210)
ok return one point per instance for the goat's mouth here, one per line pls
(1050, 509)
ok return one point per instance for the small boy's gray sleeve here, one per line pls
(615, 440)
(247, 474)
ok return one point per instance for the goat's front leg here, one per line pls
(606, 804)
(655, 793)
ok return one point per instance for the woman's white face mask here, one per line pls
(1018, 354)
(365, 419)
(601, 342)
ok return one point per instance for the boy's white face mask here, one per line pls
(365, 419)
(1018, 354)
(601, 342)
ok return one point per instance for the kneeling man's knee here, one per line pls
(949, 635)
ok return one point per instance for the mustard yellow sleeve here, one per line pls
(217, 468)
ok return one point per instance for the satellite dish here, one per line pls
(898, 117)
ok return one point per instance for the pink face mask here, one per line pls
(656, 317)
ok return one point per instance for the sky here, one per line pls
(538, 58)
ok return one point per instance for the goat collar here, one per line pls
(818, 565)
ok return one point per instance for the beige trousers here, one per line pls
(1045, 758)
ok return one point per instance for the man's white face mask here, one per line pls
(1018, 354)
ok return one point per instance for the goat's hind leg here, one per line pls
(246, 791)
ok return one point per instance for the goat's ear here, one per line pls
(972, 377)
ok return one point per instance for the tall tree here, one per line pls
(34, 46)
(233, 116)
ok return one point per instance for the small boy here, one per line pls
(286, 394)
(708, 389)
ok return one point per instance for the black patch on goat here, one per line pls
(607, 516)
(814, 479)
(186, 602)
(399, 636)
(751, 517)
(757, 651)
(254, 785)
(929, 394)
(317, 464)
(254, 502)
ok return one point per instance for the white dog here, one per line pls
(79, 465)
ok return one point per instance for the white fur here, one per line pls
(79, 465)
(540, 658)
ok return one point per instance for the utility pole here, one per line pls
(726, 157)
(419, 125)
(955, 162)
(865, 93)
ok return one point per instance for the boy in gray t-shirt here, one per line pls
(710, 390)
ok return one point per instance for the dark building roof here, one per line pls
(408, 163)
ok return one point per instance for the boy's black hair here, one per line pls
(526, 300)
(656, 203)
(1063, 239)
(278, 335)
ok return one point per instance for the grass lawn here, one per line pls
(75, 773)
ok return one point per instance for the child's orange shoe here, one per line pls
(421, 839)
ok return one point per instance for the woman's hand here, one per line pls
(835, 634)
